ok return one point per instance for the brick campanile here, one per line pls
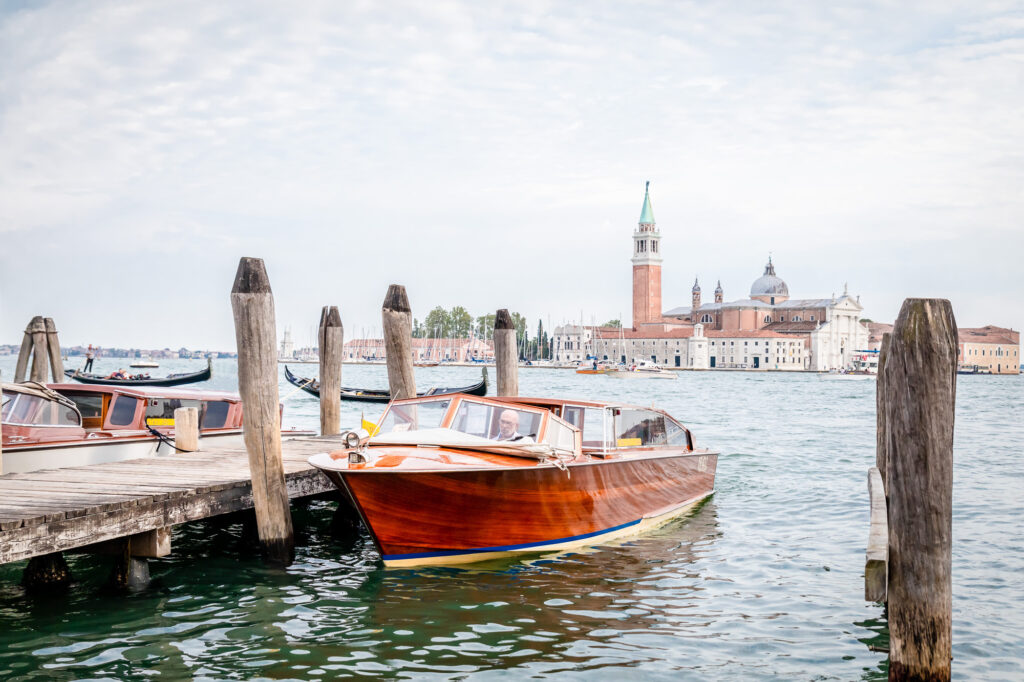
(646, 266)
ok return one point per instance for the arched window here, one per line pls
(767, 319)
(705, 318)
(797, 318)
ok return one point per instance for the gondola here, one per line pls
(169, 380)
(312, 386)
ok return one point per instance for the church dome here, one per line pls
(769, 284)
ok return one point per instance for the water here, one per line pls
(764, 580)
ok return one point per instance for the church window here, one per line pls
(782, 319)
(706, 318)
(812, 318)
(797, 318)
(654, 246)
(767, 319)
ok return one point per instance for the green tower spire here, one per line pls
(647, 214)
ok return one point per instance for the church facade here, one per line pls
(764, 330)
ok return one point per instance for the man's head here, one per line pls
(508, 423)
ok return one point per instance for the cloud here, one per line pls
(356, 144)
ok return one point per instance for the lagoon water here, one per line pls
(764, 580)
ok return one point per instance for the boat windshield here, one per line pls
(30, 410)
(496, 422)
(417, 416)
(646, 427)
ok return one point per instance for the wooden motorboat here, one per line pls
(49, 426)
(641, 370)
(596, 368)
(144, 380)
(461, 478)
(371, 395)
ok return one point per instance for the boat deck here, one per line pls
(64, 509)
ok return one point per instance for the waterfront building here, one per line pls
(991, 348)
(816, 334)
(571, 342)
(424, 350)
(287, 351)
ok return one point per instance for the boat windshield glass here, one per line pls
(589, 420)
(496, 422)
(415, 416)
(646, 427)
(30, 410)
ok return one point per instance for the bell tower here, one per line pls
(695, 300)
(646, 266)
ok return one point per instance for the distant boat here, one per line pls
(144, 362)
(642, 370)
(137, 380)
(371, 395)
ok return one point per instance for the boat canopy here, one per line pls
(33, 404)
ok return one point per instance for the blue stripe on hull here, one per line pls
(506, 548)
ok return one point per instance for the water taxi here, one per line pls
(641, 370)
(50, 426)
(463, 478)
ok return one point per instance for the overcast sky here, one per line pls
(494, 155)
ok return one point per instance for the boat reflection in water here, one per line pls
(463, 479)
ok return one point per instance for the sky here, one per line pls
(493, 155)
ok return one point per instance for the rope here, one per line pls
(299, 387)
(165, 440)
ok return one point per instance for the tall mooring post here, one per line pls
(506, 354)
(252, 303)
(40, 356)
(397, 317)
(21, 368)
(53, 346)
(919, 380)
(331, 337)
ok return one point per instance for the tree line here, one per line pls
(458, 323)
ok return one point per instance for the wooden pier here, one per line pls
(58, 510)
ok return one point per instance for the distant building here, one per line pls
(571, 342)
(424, 350)
(993, 348)
(813, 334)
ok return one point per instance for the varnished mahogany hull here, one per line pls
(457, 516)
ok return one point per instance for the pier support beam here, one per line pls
(331, 336)
(46, 572)
(920, 384)
(129, 573)
(252, 304)
(506, 354)
(397, 316)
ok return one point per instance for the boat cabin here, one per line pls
(599, 428)
(35, 412)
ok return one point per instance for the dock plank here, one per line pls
(62, 509)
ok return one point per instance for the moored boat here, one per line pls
(375, 395)
(50, 426)
(462, 478)
(641, 370)
(143, 380)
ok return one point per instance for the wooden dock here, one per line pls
(57, 510)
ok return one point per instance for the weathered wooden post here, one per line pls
(881, 393)
(920, 379)
(39, 354)
(506, 355)
(397, 315)
(21, 368)
(46, 572)
(331, 336)
(53, 346)
(252, 303)
(186, 429)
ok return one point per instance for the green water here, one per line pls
(764, 580)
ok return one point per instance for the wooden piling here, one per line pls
(331, 336)
(397, 316)
(881, 433)
(252, 304)
(920, 382)
(876, 557)
(53, 346)
(21, 368)
(186, 429)
(506, 354)
(46, 572)
(39, 353)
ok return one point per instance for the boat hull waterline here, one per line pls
(451, 517)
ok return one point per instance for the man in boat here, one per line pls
(89, 355)
(508, 427)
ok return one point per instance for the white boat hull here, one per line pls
(642, 375)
